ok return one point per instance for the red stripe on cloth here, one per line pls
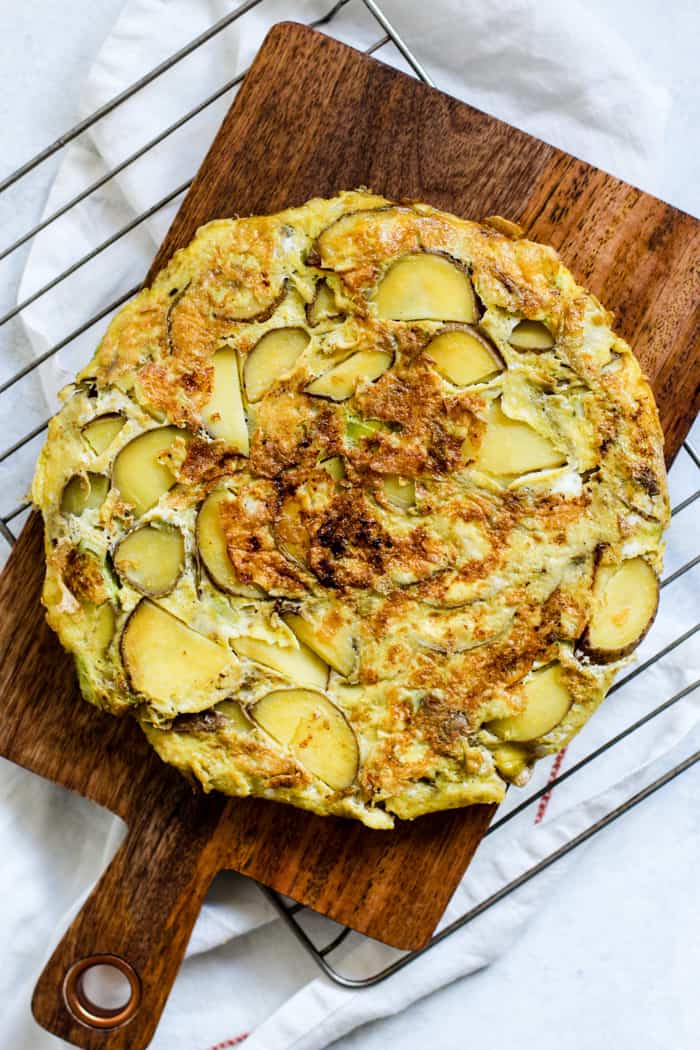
(553, 774)
(230, 1042)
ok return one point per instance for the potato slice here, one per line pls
(531, 335)
(426, 287)
(138, 473)
(333, 467)
(165, 659)
(448, 631)
(339, 383)
(84, 492)
(625, 600)
(323, 306)
(233, 713)
(399, 491)
(512, 762)
(211, 544)
(547, 701)
(104, 626)
(271, 357)
(101, 432)
(334, 643)
(301, 665)
(223, 415)
(463, 356)
(245, 299)
(151, 559)
(315, 731)
(512, 447)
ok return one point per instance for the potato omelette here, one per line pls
(358, 507)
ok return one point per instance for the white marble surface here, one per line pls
(613, 957)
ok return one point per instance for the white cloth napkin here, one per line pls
(544, 68)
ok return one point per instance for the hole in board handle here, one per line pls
(102, 991)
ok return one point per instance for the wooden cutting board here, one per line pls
(314, 117)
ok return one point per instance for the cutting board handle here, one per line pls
(138, 919)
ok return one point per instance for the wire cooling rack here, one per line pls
(323, 938)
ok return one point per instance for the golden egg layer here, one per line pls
(358, 507)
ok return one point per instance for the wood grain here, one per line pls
(142, 910)
(338, 120)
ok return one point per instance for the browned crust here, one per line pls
(433, 426)
(83, 576)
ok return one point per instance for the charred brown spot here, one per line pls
(350, 548)
(202, 722)
(189, 381)
(647, 479)
(289, 780)
(83, 577)
(443, 726)
(342, 530)
(205, 461)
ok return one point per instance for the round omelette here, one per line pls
(357, 507)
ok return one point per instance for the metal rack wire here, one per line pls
(330, 939)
